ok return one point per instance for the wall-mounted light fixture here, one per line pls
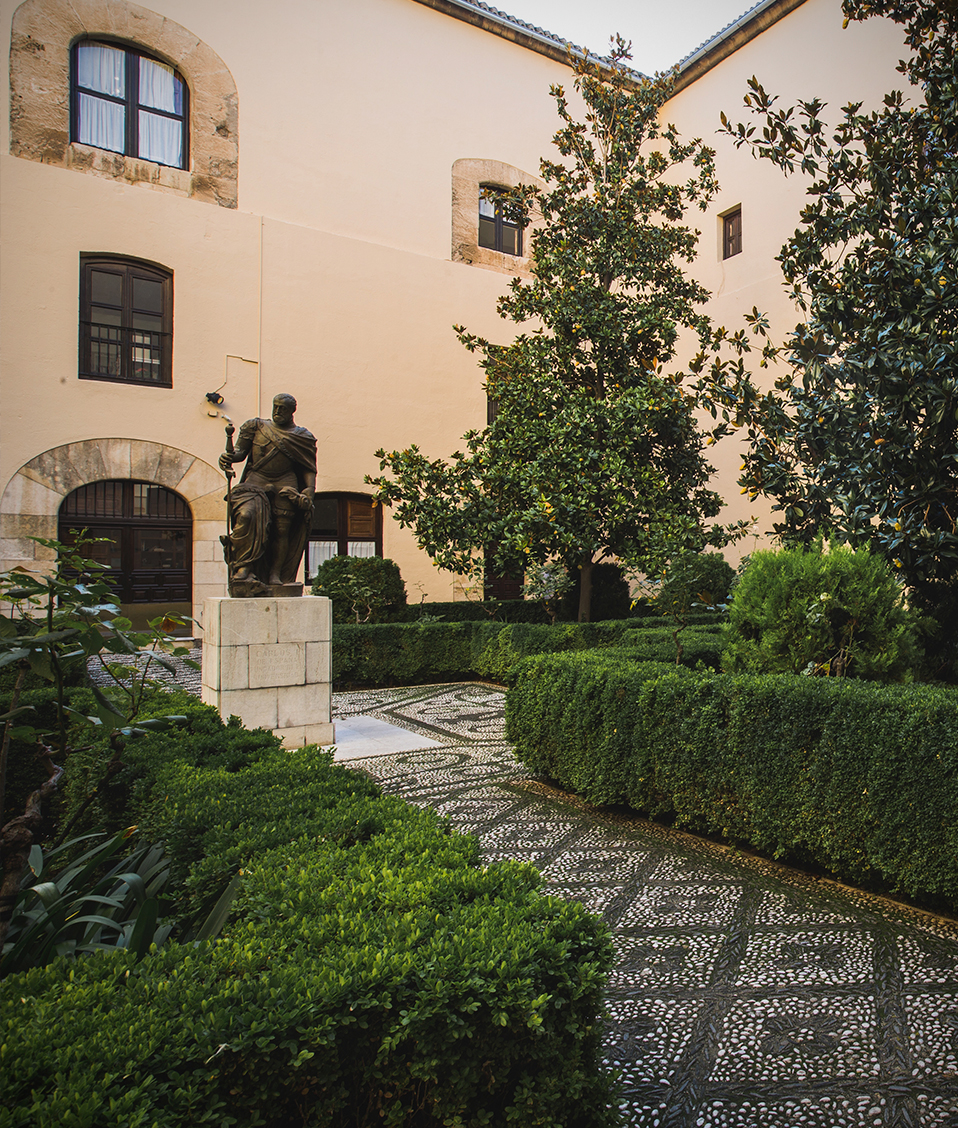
(214, 398)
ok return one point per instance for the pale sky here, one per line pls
(662, 31)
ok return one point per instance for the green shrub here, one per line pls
(111, 802)
(860, 779)
(480, 611)
(694, 646)
(363, 589)
(426, 653)
(695, 582)
(408, 653)
(838, 613)
(370, 974)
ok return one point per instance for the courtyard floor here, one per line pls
(745, 994)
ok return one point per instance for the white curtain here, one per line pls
(102, 69)
(158, 87)
(161, 139)
(362, 548)
(319, 552)
(102, 123)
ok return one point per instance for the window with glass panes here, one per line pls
(126, 321)
(126, 102)
(732, 233)
(142, 536)
(496, 232)
(343, 525)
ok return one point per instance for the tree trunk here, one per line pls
(585, 588)
(16, 838)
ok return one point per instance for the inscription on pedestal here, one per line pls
(283, 663)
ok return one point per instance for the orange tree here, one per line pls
(594, 451)
(859, 440)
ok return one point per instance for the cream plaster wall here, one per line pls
(805, 55)
(352, 113)
(333, 278)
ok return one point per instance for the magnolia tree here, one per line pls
(594, 451)
(859, 440)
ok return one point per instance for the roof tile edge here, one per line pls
(726, 42)
(750, 24)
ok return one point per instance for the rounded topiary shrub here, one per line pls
(699, 581)
(836, 613)
(364, 589)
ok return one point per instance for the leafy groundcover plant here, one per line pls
(371, 972)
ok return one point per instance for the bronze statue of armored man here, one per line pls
(271, 507)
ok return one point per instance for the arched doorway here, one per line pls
(144, 541)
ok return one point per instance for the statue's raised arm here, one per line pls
(271, 507)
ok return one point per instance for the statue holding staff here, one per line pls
(271, 507)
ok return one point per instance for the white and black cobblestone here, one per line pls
(745, 994)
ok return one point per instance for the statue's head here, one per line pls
(283, 407)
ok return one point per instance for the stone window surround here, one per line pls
(469, 175)
(30, 504)
(41, 41)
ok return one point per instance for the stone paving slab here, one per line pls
(361, 737)
(745, 994)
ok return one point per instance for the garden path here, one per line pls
(745, 994)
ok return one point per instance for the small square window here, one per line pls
(732, 233)
(343, 525)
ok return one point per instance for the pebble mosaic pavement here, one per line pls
(745, 994)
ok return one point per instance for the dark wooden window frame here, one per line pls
(500, 225)
(732, 233)
(342, 522)
(131, 102)
(130, 269)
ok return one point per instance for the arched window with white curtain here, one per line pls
(126, 102)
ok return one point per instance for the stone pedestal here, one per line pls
(269, 662)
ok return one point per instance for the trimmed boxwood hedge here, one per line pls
(472, 611)
(857, 778)
(371, 973)
(423, 653)
(531, 611)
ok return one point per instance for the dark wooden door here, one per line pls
(144, 539)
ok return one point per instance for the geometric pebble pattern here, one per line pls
(744, 994)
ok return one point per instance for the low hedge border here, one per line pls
(370, 973)
(856, 778)
(425, 653)
(529, 611)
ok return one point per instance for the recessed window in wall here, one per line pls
(732, 233)
(344, 525)
(496, 232)
(126, 102)
(126, 321)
